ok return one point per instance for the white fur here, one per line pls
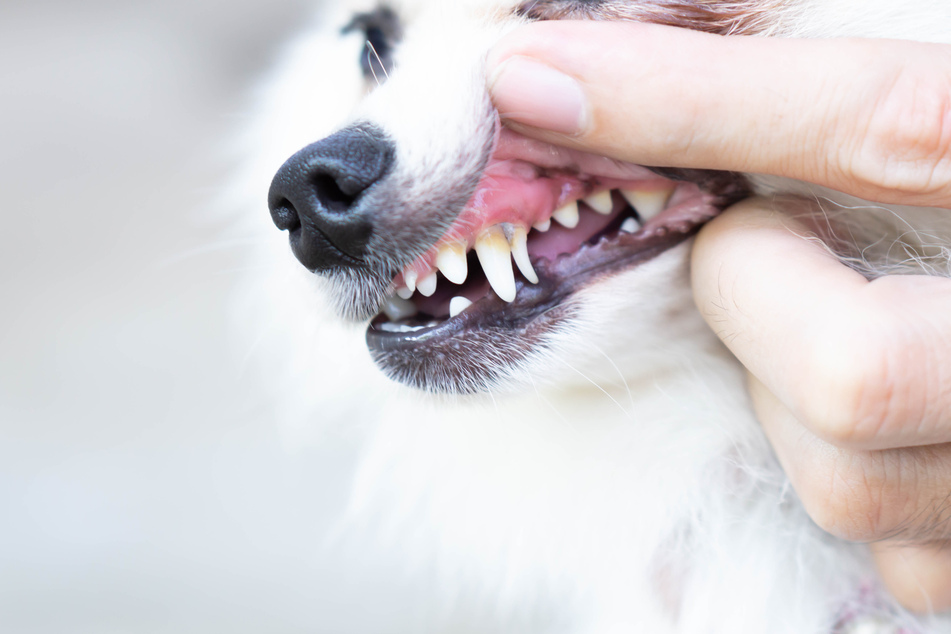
(625, 486)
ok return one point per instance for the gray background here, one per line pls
(142, 488)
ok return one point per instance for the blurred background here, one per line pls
(142, 486)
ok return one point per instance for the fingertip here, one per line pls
(531, 93)
(919, 577)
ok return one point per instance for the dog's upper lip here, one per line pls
(513, 146)
(527, 183)
(522, 184)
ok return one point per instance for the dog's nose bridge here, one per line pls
(316, 196)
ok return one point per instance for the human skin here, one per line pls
(850, 378)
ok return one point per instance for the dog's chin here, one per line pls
(463, 337)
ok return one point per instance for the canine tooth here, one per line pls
(543, 225)
(404, 292)
(397, 308)
(601, 202)
(630, 226)
(410, 278)
(567, 216)
(519, 244)
(457, 305)
(647, 203)
(495, 256)
(451, 261)
(427, 285)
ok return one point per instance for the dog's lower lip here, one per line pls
(558, 280)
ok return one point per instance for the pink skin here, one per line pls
(525, 181)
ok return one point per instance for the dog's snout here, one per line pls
(317, 196)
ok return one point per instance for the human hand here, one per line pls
(857, 402)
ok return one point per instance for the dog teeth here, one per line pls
(457, 305)
(404, 292)
(601, 202)
(567, 216)
(495, 256)
(410, 277)
(397, 308)
(543, 225)
(630, 226)
(519, 244)
(451, 261)
(427, 285)
(647, 203)
(390, 327)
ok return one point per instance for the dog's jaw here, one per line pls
(432, 343)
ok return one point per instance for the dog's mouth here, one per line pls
(543, 223)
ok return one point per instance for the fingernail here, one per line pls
(534, 94)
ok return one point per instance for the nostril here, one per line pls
(333, 198)
(319, 196)
(285, 216)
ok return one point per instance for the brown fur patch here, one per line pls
(724, 17)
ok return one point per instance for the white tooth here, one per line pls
(427, 285)
(404, 292)
(601, 202)
(567, 216)
(397, 308)
(451, 260)
(630, 226)
(647, 203)
(543, 225)
(457, 305)
(496, 260)
(410, 278)
(519, 244)
(391, 327)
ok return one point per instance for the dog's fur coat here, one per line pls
(614, 479)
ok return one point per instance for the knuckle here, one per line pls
(850, 392)
(903, 138)
(857, 497)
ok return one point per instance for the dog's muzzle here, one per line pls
(316, 196)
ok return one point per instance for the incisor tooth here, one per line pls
(404, 292)
(496, 260)
(647, 203)
(601, 202)
(396, 308)
(543, 225)
(427, 285)
(451, 261)
(630, 226)
(519, 243)
(410, 278)
(457, 305)
(567, 216)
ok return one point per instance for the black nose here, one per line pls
(316, 196)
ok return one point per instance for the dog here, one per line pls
(550, 423)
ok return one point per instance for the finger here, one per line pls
(897, 494)
(918, 576)
(861, 364)
(875, 121)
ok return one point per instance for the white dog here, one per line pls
(562, 437)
